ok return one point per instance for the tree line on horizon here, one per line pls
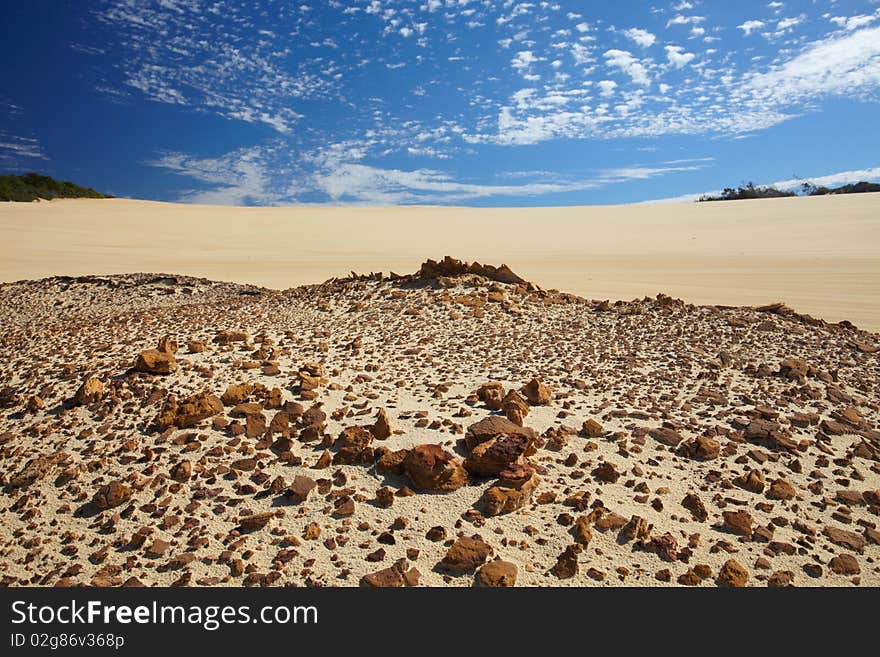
(750, 190)
(33, 186)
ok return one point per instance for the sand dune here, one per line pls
(819, 255)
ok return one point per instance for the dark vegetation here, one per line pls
(32, 186)
(749, 190)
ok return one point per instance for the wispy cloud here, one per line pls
(16, 151)
(339, 174)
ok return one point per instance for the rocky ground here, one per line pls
(455, 427)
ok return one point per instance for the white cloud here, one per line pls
(360, 183)
(677, 56)
(642, 37)
(846, 64)
(623, 60)
(15, 149)
(750, 26)
(854, 22)
(607, 87)
(237, 178)
(685, 20)
(787, 23)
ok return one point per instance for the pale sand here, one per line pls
(818, 255)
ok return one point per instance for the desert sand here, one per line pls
(453, 427)
(818, 255)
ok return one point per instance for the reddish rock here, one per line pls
(381, 428)
(497, 574)
(666, 436)
(592, 429)
(489, 458)
(510, 495)
(236, 394)
(182, 471)
(739, 522)
(844, 564)
(695, 505)
(844, 538)
(566, 565)
(466, 554)
(301, 488)
(353, 446)
(732, 574)
(493, 426)
(190, 411)
(781, 489)
(90, 392)
(392, 462)
(153, 361)
(111, 495)
(430, 467)
(396, 576)
(537, 393)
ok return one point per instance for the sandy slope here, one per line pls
(666, 443)
(819, 255)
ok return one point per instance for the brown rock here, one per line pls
(190, 411)
(491, 394)
(354, 446)
(537, 393)
(695, 505)
(497, 574)
(153, 361)
(515, 408)
(301, 488)
(506, 498)
(493, 426)
(255, 425)
(732, 574)
(256, 521)
(158, 547)
(196, 346)
(430, 467)
(111, 495)
(90, 392)
(592, 429)
(466, 554)
(843, 538)
(385, 497)
(227, 337)
(844, 564)
(236, 394)
(581, 530)
(780, 579)
(566, 565)
(706, 448)
(392, 462)
(753, 481)
(182, 471)
(489, 458)
(739, 522)
(395, 576)
(381, 428)
(606, 472)
(665, 546)
(436, 534)
(781, 489)
(666, 436)
(793, 368)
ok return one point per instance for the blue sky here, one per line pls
(465, 102)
